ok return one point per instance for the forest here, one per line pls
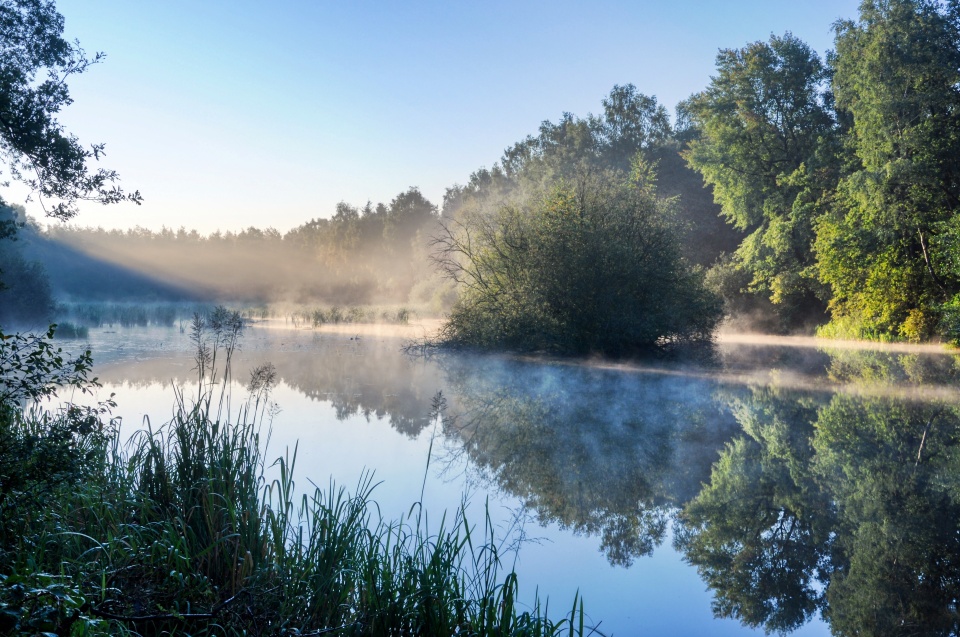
(806, 192)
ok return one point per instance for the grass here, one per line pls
(181, 531)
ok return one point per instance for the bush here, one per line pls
(588, 267)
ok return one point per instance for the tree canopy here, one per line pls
(35, 64)
(844, 174)
(763, 124)
(887, 247)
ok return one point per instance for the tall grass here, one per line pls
(180, 530)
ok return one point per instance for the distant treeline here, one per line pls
(357, 256)
(376, 254)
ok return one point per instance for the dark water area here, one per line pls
(784, 485)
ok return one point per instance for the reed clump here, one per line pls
(189, 528)
(129, 314)
(336, 315)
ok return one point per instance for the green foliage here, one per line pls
(180, 531)
(32, 368)
(631, 126)
(587, 266)
(886, 248)
(764, 124)
(33, 144)
(44, 604)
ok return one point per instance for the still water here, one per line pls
(786, 484)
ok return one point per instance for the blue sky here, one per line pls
(231, 114)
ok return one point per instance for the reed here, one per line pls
(128, 314)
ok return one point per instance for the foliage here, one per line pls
(591, 266)
(764, 124)
(36, 148)
(33, 144)
(32, 368)
(182, 531)
(632, 126)
(44, 604)
(886, 249)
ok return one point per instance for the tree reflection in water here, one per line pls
(847, 504)
(595, 451)
(788, 502)
(840, 498)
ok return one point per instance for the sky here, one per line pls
(230, 114)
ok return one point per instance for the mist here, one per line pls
(360, 256)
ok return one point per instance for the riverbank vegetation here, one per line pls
(189, 527)
(588, 266)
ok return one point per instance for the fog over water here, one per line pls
(654, 489)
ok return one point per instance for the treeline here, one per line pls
(831, 200)
(360, 255)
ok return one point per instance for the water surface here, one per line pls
(786, 484)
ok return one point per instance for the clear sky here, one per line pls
(227, 114)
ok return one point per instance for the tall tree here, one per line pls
(633, 126)
(887, 249)
(763, 124)
(35, 63)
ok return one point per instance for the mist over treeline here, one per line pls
(360, 255)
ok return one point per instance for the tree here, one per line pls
(632, 125)
(888, 248)
(763, 126)
(587, 266)
(25, 296)
(35, 64)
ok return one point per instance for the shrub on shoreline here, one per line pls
(590, 266)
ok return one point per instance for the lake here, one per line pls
(792, 484)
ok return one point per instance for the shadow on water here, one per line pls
(797, 481)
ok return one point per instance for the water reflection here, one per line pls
(840, 497)
(598, 452)
(845, 504)
(798, 481)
